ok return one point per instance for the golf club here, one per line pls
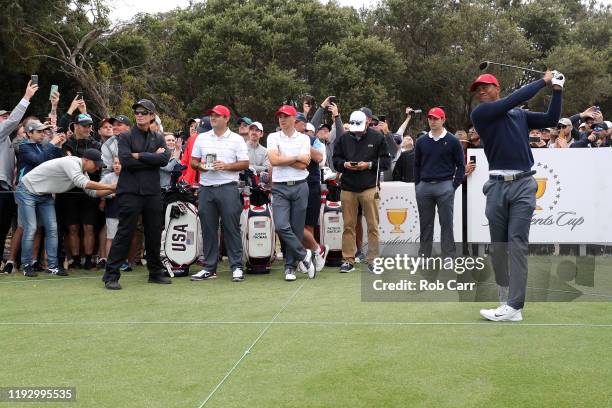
(485, 64)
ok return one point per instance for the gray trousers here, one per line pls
(429, 196)
(289, 212)
(510, 206)
(221, 201)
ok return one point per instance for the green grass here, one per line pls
(170, 346)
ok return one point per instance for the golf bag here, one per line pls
(257, 225)
(182, 237)
(331, 223)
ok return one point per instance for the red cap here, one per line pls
(484, 79)
(220, 110)
(287, 110)
(436, 113)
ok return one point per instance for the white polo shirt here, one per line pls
(294, 145)
(229, 148)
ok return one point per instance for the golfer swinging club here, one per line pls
(511, 188)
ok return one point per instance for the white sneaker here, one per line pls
(306, 265)
(502, 314)
(290, 275)
(237, 275)
(319, 258)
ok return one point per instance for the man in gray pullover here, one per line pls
(34, 195)
(7, 162)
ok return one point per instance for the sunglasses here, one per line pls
(597, 129)
(140, 112)
(561, 126)
(355, 122)
(87, 125)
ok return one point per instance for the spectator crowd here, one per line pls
(62, 179)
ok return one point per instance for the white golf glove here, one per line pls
(558, 79)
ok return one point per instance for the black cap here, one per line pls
(95, 156)
(367, 111)
(205, 125)
(601, 125)
(325, 125)
(121, 119)
(145, 103)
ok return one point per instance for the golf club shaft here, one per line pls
(515, 66)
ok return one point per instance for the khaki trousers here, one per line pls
(350, 204)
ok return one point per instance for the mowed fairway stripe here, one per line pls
(303, 323)
(248, 351)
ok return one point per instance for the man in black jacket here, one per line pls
(141, 152)
(359, 154)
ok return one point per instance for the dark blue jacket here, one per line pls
(32, 154)
(504, 128)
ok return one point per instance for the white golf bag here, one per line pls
(257, 227)
(331, 223)
(181, 239)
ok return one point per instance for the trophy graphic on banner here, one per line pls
(541, 189)
(397, 216)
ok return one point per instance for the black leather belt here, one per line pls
(511, 177)
(233, 183)
(290, 183)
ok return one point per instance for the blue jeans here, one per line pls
(30, 205)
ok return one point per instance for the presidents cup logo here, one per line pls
(401, 215)
(549, 187)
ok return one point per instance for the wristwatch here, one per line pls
(369, 165)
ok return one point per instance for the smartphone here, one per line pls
(382, 118)
(34, 79)
(354, 164)
(79, 95)
(597, 109)
(54, 89)
(473, 159)
(332, 99)
(534, 139)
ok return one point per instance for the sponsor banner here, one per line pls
(399, 219)
(572, 200)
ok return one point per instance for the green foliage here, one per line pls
(254, 54)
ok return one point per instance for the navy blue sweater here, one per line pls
(504, 129)
(438, 161)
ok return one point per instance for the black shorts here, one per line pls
(314, 204)
(77, 208)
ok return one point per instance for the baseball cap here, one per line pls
(121, 119)
(258, 125)
(103, 121)
(565, 122)
(204, 125)
(246, 120)
(310, 127)
(367, 111)
(600, 126)
(287, 110)
(357, 121)
(484, 79)
(436, 113)
(95, 156)
(83, 119)
(4, 112)
(325, 125)
(220, 110)
(145, 103)
(36, 125)
(300, 117)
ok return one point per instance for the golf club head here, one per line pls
(483, 65)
